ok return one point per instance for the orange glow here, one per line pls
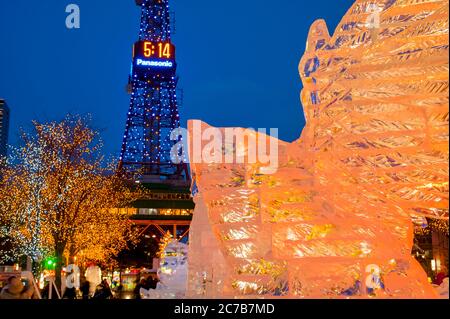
(335, 220)
(164, 50)
(148, 49)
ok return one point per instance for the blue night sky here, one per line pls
(237, 61)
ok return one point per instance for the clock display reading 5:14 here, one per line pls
(162, 50)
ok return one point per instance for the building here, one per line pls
(4, 127)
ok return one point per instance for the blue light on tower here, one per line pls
(153, 112)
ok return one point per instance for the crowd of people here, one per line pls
(101, 291)
(17, 289)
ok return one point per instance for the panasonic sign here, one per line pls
(161, 64)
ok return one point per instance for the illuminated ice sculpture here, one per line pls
(335, 221)
(172, 273)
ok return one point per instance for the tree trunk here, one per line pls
(29, 263)
(58, 267)
(72, 254)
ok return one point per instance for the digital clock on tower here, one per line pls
(154, 50)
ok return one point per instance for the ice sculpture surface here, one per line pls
(172, 273)
(335, 220)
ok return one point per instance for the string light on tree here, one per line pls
(57, 196)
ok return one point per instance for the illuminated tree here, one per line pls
(165, 240)
(58, 196)
(21, 207)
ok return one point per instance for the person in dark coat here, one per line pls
(153, 282)
(103, 291)
(84, 288)
(137, 289)
(70, 293)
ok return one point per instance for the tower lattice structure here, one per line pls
(153, 113)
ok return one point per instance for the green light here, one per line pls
(50, 262)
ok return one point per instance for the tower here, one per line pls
(153, 113)
(147, 150)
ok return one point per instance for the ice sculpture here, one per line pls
(172, 273)
(335, 220)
